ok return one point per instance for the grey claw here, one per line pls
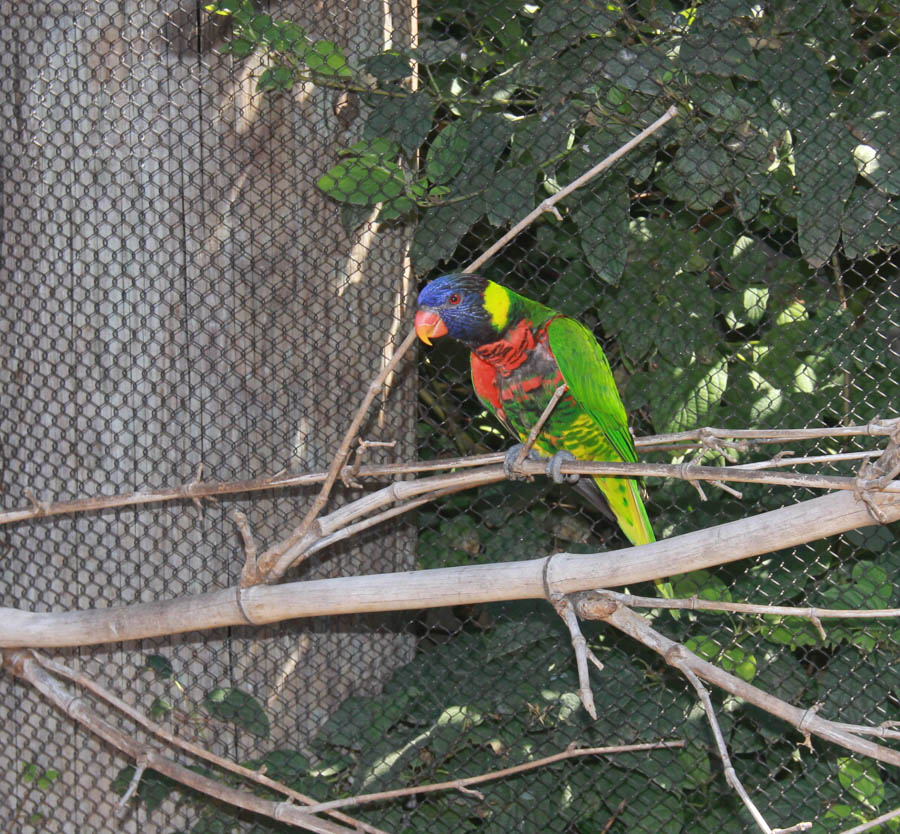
(509, 463)
(554, 464)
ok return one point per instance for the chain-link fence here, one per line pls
(215, 221)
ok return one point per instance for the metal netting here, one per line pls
(215, 222)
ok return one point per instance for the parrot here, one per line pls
(521, 352)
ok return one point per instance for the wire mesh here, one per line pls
(215, 222)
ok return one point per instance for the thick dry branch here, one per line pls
(566, 573)
(598, 606)
(22, 665)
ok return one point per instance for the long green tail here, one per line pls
(624, 498)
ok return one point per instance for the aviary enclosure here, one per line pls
(263, 569)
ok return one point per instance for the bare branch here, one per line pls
(566, 610)
(731, 776)
(566, 573)
(602, 607)
(536, 428)
(275, 561)
(868, 826)
(23, 665)
(197, 489)
(189, 747)
(696, 604)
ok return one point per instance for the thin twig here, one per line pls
(550, 202)
(808, 612)
(868, 826)
(250, 571)
(272, 563)
(731, 776)
(136, 777)
(781, 461)
(539, 425)
(615, 815)
(566, 610)
(458, 784)
(874, 428)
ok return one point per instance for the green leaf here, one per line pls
(509, 195)
(701, 584)
(739, 662)
(576, 290)
(642, 69)
(447, 152)
(238, 707)
(388, 66)
(699, 174)
(160, 665)
(327, 58)
(720, 51)
(406, 120)
(47, 778)
(214, 821)
(649, 802)
(866, 587)
(695, 764)
(363, 181)
(275, 78)
(870, 106)
(572, 19)
(704, 647)
(440, 231)
(862, 781)
(239, 47)
(396, 208)
(160, 708)
(602, 219)
(871, 222)
(799, 89)
(287, 766)
(686, 398)
(152, 790)
(377, 147)
(747, 308)
(825, 176)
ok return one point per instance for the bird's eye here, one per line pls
(454, 299)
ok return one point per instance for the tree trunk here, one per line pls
(177, 297)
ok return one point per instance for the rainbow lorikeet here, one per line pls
(521, 352)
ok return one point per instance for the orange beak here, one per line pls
(429, 326)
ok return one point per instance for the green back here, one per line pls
(587, 373)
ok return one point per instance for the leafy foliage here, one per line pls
(740, 268)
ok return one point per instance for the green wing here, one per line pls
(587, 373)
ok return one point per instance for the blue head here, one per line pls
(469, 308)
